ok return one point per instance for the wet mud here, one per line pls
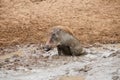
(23, 62)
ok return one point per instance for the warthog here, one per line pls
(66, 43)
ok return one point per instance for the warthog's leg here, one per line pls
(64, 50)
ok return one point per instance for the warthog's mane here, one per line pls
(64, 28)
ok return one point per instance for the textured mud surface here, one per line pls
(30, 62)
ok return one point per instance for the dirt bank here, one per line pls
(28, 21)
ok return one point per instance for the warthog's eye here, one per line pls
(53, 34)
(54, 37)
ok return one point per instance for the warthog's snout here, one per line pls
(47, 48)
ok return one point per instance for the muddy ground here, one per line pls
(30, 62)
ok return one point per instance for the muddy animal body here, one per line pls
(62, 38)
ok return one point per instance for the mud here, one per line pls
(23, 62)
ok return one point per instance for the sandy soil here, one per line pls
(30, 62)
(28, 21)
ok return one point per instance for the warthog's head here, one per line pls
(58, 35)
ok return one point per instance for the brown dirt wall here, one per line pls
(28, 21)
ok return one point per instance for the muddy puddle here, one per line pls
(30, 62)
